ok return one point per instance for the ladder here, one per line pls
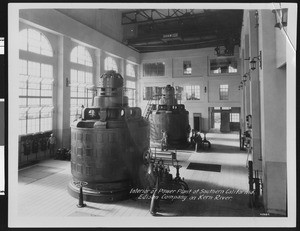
(148, 109)
(149, 106)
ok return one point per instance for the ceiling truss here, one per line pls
(177, 29)
(151, 15)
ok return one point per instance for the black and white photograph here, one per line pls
(152, 115)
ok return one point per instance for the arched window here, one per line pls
(82, 56)
(81, 78)
(130, 70)
(110, 64)
(35, 83)
(36, 42)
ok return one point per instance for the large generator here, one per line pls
(108, 145)
(168, 116)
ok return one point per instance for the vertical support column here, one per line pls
(246, 69)
(273, 119)
(122, 72)
(255, 95)
(101, 59)
(248, 97)
(242, 115)
(139, 91)
(63, 94)
(206, 84)
(97, 70)
(206, 121)
(98, 67)
(122, 67)
(246, 85)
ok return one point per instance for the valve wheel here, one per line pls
(80, 183)
(146, 157)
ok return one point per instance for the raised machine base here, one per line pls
(102, 193)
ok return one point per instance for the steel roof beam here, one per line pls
(177, 14)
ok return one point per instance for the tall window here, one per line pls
(81, 77)
(130, 92)
(192, 92)
(130, 71)
(224, 92)
(35, 83)
(110, 64)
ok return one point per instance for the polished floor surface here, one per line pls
(43, 187)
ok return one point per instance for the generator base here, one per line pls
(108, 193)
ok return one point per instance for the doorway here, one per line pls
(197, 121)
(225, 123)
(224, 119)
(217, 120)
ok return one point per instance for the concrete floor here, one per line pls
(43, 188)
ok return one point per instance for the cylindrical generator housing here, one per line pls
(108, 144)
(170, 117)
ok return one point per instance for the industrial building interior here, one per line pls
(109, 84)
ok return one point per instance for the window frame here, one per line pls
(192, 91)
(131, 68)
(223, 96)
(81, 79)
(210, 73)
(130, 91)
(156, 71)
(36, 75)
(154, 92)
(108, 61)
(236, 116)
(149, 91)
(30, 34)
(187, 62)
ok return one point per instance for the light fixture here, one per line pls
(256, 19)
(280, 17)
(246, 75)
(241, 86)
(253, 61)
